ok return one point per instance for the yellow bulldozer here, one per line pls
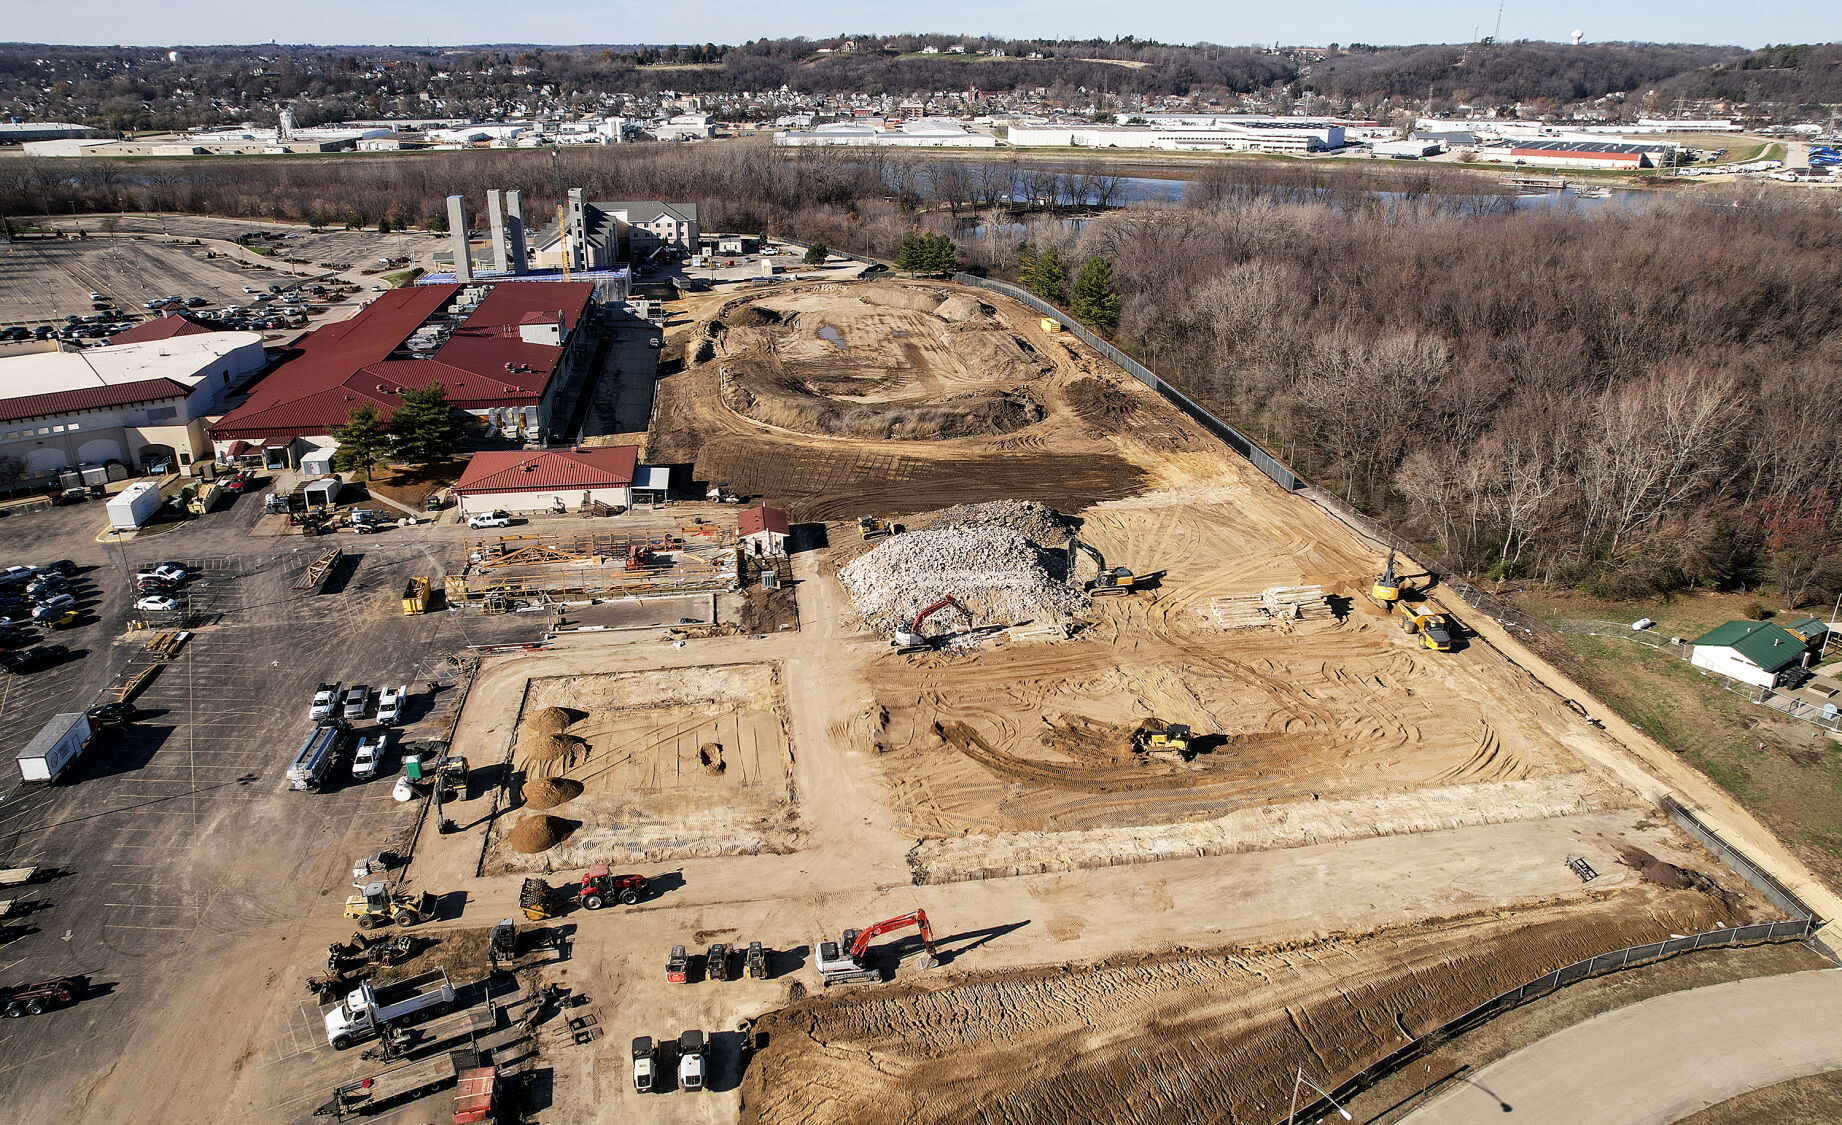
(1156, 738)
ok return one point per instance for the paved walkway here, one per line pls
(1661, 1059)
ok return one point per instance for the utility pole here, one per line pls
(562, 227)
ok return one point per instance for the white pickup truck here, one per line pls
(325, 701)
(366, 1009)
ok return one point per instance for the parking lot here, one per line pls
(44, 281)
(182, 870)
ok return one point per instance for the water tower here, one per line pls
(1577, 35)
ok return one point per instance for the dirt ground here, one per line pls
(1208, 1036)
(689, 763)
(1813, 1100)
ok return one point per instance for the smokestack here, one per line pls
(457, 232)
(495, 212)
(514, 227)
(576, 235)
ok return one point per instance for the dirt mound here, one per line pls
(1100, 403)
(899, 297)
(549, 792)
(753, 315)
(546, 747)
(997, 573)
(539, 834)
(1035, 521)
(1654, 870)
(962, 308)
(550, 720)
(710, 757)
(758, 387)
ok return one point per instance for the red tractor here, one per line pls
(842, 962)
(600, 884)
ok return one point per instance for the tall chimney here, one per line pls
(514, 227)
(495, 211)
(576, 234)
(457, 233)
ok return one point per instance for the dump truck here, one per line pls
(416, 596)
(366, 1009)
(376, 1093)
(57, 744)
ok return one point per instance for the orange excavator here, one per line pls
(911, 639)
(842, 961)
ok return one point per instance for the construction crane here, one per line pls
(1108, 582)
(842, 961)
(911, 638)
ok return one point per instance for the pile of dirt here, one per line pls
(710, 758)
(549, 792)
(899, 297)
(1654, 870)
(1099, 402)
(757, 386)
(996, 572)
(539, 834)
(1034, 520)
(549, 720)
(533, 747)
(963, 308)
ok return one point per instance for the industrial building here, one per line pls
(1250, 135)
(503, 351)
(602, 235)
(20, 132)
(140, 404)
(685, 127)
(549, 480)
(925, 132)
(762, 531)
(1576, 154)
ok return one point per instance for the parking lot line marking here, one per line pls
(137, 926)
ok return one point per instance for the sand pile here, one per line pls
(710, 757)
(960, 308)
(546, 747)
(549, 720)
(549, 792)
(995, 571)
(539, 834)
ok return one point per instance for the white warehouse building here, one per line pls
(1249, 136)
(139, 404)
(923, 132)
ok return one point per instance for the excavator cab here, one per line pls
(1108, 581)
(1387, 587)
(843, 961)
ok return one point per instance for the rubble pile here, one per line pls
(995, 571)
(1034, 520)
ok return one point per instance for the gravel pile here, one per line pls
(1034, 520)
(995, 571)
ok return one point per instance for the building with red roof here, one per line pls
(547, 480)
(502, 359)
(161, 328)
(763, 530)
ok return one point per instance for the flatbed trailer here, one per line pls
(387, 1089)
(18, 876)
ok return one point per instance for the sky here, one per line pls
(450, 22)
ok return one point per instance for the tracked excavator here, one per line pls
(1108, 582)
(911, 639)
(1433, 629)
(842, 961)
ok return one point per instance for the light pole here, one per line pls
(1300, 1078)
(1832, 627)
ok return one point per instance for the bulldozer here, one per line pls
(868, 528)
(375, 906)
(1156, 738)
(1107, 581)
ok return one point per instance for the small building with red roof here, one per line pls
(763, 530)
(502, 351)
(161, 328)
(547, 480)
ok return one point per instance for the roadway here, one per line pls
(1661, 1059)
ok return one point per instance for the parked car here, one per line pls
(166, 571)
(16, 577)
(369, 757)
(64, 620)
(356, 702)
(62, 566)
(113, 714)
(33, 659)
(494, 518)
(53, 607)
(45, 585)
(156, 603)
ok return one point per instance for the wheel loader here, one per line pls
(375, 906)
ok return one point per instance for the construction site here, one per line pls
(1196, 780)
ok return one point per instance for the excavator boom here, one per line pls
(943, 603)
(915, 918)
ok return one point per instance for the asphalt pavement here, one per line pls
(1658, 1060)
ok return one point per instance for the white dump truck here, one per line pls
(365, 1010)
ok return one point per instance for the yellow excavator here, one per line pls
(1387, 587)
(1109, 581)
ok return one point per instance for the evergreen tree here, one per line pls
(911, 256)
(816, 254)
(1026, 259)
(1049, 278)
(941, 255)
(1096, 301)
(363, 441)
(423, 428)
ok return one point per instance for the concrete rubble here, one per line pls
(997, 572)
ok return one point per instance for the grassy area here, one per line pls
(403, 277)
(411, 487)
(1789, 774)
(1772, 152)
